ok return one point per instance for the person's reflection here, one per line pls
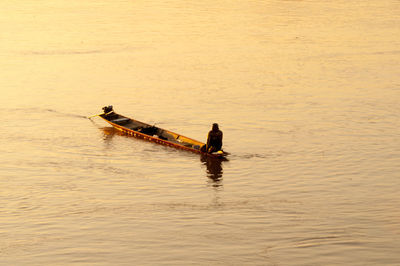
(214, 169)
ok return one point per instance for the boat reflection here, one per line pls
(214, 169)
(108, 133)
(213, 165)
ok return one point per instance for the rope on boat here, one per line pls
(90, 117)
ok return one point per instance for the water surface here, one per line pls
(306, 93)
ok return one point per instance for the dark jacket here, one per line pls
(215, 139)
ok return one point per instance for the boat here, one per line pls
(141, 130)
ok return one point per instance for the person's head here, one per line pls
(215, 127)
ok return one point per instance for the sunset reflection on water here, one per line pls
(306, 93)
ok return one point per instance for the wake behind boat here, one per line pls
(155, 134)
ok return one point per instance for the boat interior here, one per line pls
(151, 130)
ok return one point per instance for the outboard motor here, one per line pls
(108, 109)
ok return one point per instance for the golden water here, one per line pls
(306, 92)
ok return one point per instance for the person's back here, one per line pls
(214, 140)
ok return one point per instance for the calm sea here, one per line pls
(306, 92)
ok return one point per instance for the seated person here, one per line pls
(214, 140)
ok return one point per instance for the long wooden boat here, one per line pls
(155, 134)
